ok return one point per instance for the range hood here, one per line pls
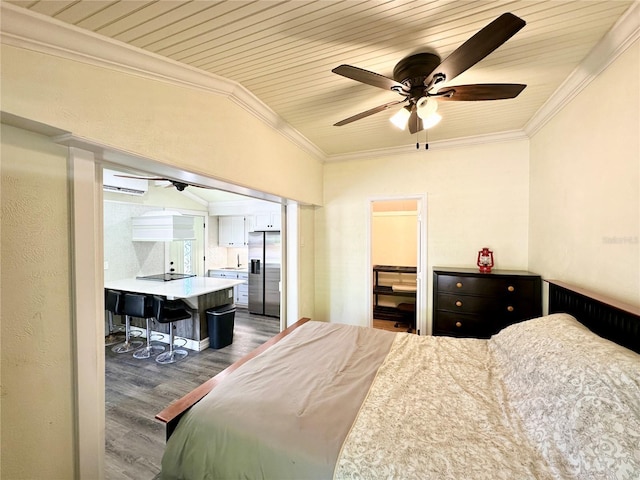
(162, 226)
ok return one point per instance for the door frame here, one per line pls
(85, 162)
(421, 255)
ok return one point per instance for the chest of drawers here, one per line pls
(467, 303)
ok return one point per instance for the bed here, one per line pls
(542, 399)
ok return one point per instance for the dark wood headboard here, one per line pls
(611, 319)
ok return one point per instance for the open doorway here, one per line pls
(397, 257)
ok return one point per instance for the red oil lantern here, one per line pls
(485, 260)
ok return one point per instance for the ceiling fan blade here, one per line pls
(415, 122)
(179, 185)
(367, 113)
(479, 46)
(370, 78)
(481, 91)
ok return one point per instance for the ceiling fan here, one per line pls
(180, 186)
(417, 78)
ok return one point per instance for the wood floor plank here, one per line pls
(138, 389)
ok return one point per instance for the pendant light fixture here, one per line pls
(401, 118)
(426, 109)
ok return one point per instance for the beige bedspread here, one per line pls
(437, 410)
(284, 414)
(542, 399)
(545, 398)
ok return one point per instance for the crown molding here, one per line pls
(32, 31)
(29, 30)
(509, 136)
(617, 40)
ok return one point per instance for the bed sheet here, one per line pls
(285, 413)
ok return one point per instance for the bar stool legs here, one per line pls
(128, 345)
(173, 355)
(148, 350)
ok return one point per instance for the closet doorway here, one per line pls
(397, 262)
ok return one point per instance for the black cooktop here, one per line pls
(166, 277)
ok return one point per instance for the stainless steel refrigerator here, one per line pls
(264, 273)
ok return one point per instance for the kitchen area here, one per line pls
(204, 247)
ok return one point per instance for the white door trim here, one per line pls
(87, 277)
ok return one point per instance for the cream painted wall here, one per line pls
(585, 182)
(476, 196)
(37, 427)
(174, 124)
(394, 238)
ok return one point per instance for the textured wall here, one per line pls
(37, 370)
(186, 127)
(477, 196)
(126, 258)
(585, 186)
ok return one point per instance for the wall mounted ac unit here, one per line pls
(128, 186)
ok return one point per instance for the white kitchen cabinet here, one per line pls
(267, 221)
(249, 221)
(240, 292)
(231, 231)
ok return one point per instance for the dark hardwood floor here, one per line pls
(138, 389)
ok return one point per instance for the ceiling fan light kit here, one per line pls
(418, 78)
(401, 117)
(426, 107)
(431, 121)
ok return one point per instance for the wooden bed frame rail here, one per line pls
(172, 414)
(614, 320)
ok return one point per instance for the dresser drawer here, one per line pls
(490, 286)
(465, 303)
(461, 325)
(495, 307)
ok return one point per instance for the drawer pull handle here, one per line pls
(511, 288)
(510, 308)
(458, 324)
(459, 284)
(458, 303)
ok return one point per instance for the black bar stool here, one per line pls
(128, 345)
(113, 301)
(141, 306)
(169, 312)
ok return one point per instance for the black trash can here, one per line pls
(220, 323)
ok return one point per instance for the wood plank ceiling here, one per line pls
(283, 52)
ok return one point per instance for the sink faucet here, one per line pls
(238, 260)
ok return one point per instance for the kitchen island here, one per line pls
(197, 293)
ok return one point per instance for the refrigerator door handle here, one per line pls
(255, 266)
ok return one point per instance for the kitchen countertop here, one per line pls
(184, 288)
(229, 269)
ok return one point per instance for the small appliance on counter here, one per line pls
(264, 273)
